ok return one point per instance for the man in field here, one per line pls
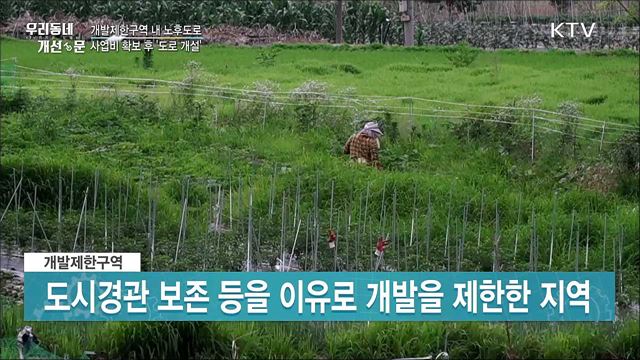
(363, 146)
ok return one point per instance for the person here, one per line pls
(26, 339)
(363, 147)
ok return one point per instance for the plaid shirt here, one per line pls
(363, 148)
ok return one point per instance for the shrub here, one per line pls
(308, 96)
(18, 102)
(267, 56)
(462, 55)
(625, 155)
(568, 139)
(348, 68)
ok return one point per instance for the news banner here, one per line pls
(111, 287)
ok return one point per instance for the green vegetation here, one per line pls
(335, 341)
(553, 76)
(158, 142)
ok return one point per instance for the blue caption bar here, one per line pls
(320, 296)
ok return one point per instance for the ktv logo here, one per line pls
(557, 30)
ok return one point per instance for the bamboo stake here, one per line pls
(183, 216)
(604, 242)
(464, 229)
(429, 223)
(84, 238)
(356, 258)
(295, 240)
(154, 205)
(148, 225)
(335, 249)
(126, 199)
(404, 246)
(573, 217)
(620, 257)
(221, 203)
(59, 235)
(553, 228)
(95, 192)
(316, 222)
(515, 248)
(577, 246)
(258, 245)
(71, 190)
(306, 241)
(138, 191)
(84, 206)
(446, 237)
(249, 231)
(239, 203)
(394, 230)
(16, 215)
(382, 205)
(348, 233)
(105, 216)
(33, 220)
(230, 207)
(15, 190)
(296, 211)
(533, 248)
(366, 209)
(480, 220)
(413, 213)
(39, 222)
(282, 225)
(371, 243)
(496, 243)
(586, 253)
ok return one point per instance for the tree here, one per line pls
(463, 6)
(561, 5)
(460, 6)
(339, 22)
